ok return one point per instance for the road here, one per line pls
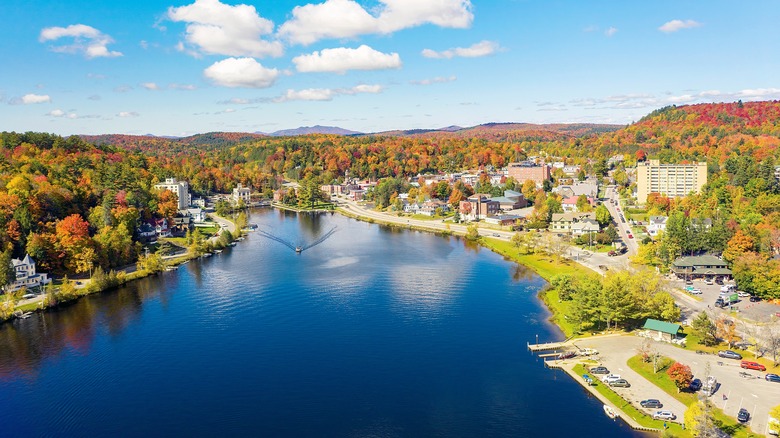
(622, 224)
(756, 395)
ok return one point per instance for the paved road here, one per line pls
(756, 395)
(623, 227)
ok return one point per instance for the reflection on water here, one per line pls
(375, 332)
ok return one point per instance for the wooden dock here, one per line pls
(548, 346)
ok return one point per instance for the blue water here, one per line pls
(375, 332)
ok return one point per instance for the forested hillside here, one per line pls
(61, 198)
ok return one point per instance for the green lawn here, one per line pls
(629, 409)
(692, 343)
(662, 380)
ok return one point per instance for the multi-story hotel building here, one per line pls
(671, 180)
(181, 188)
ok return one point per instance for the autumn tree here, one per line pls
(727, 330)
(7, 271)
(167, 204)
(472, 232)
(681, 375)
(602, 216)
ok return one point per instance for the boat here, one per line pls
(610, 411)
(217, 251)
(24, 315)
(171, 268)
(298, 249)
(208, 254)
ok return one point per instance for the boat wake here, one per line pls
(298, 247)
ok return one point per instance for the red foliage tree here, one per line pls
(681, 375)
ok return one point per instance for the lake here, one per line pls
(374, 332)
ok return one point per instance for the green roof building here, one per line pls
(662, 331)
(703, 266)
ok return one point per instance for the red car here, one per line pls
(752, 365)
(630, 236)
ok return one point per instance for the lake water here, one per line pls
(374, 332)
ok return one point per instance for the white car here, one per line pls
(694, 291)
(743, 294)
(664, 415)
(610, 378)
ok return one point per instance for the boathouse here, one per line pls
(661, 331)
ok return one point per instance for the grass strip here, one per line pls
(631, 411)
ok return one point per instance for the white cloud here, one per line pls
(675, 25)
(436, 80)
(151, 86)
(29, 99)
(122, 88)
(637, 101)
(86, 40)
(219, 29)
(347, 19)
(482, 48)
(324, 94)
(126, 114)
(241, 72)
(341, 59)
(183, 87)
(62, 114)
(611, 31)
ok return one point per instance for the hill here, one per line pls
(316, 129)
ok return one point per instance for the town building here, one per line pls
(661, 331)
(570, 204)
(503, 219)
(478, 206)
(703, 266)
(656, 225)
(588, 188)
(241, 193)
(670, 180)
(180, 188)
(511, 200)
(576, 224)
(525, 171)
(26, 275)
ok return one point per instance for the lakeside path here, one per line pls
(588, 259)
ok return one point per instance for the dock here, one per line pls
(547, 346)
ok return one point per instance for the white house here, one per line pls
(656, 224)
(241, 193)
(197, 215)
(26, 275)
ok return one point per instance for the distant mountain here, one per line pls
(510, 131)
(316, 129)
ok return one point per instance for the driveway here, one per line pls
(756, 394)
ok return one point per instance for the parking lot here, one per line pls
(755, 394)
(761, 311)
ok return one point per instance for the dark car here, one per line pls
(620, 382)
(599, 370)
(754, 299)
(743, 416)
(651, 403)
(772, 378)
(695, 385)
(728, 354)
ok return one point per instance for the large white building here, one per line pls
(670, 180)
(26, 276)
(241, 193)
(180, 188)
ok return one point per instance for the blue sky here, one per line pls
(179, 68)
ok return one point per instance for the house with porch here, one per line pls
(576, 223)
(701, 267)
(656, 225)
(26, 276)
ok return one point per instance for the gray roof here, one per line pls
(699, 261)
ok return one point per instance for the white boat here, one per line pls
(610, 411)
(217, 251)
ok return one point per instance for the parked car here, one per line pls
(748, 365)
(728, 354)
(651, 403)
(743, 416)
(664, 415)
(630, 236)
(754, 299)
(695, 385)
(708, 281)
(742, 294)
(599, 370)
(612, 253)
(610, 377)
(772, 378)
(620, 382)
(694, 291)
(688, 281)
